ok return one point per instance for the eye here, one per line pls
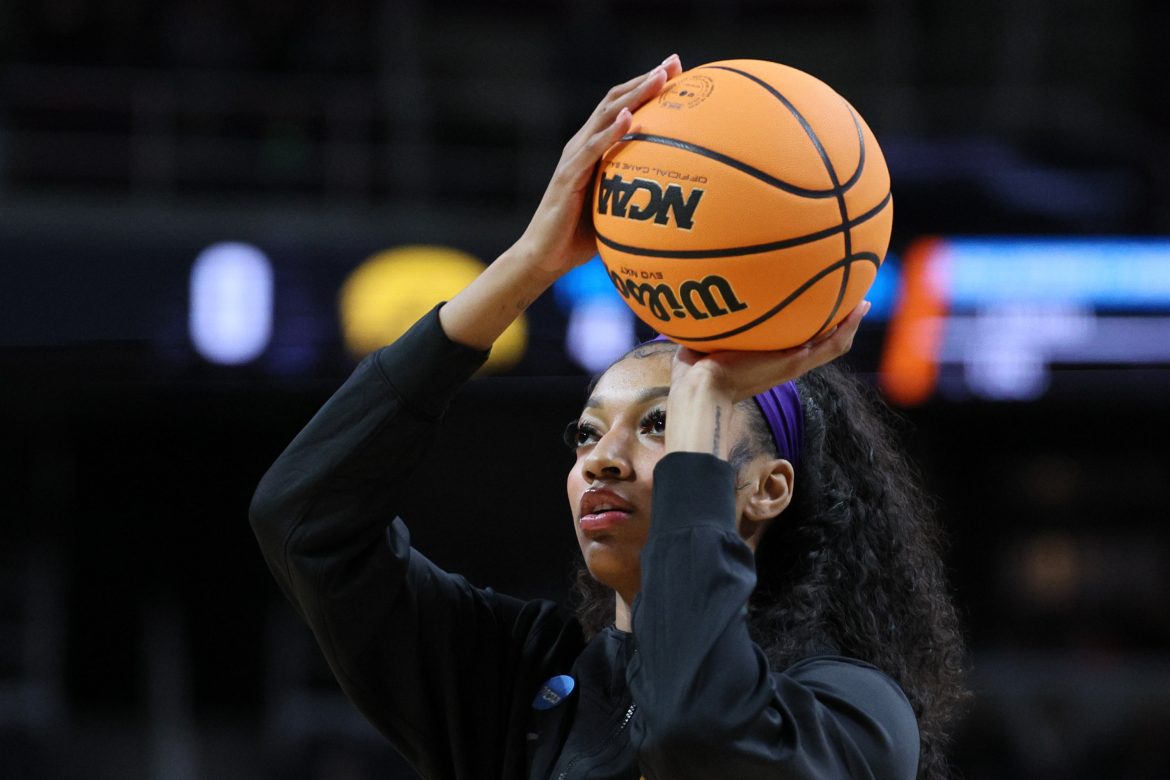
(578, 434)
(654, 422)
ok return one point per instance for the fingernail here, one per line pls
(666, 61)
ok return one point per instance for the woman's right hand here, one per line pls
(560, 235)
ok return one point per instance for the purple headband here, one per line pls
(784, 412)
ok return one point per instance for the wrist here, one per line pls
(530, 263)
(698, 417)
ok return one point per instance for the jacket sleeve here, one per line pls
(437, 665)
(708, 704)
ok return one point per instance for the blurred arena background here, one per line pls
(189, 188)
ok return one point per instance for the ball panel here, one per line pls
(766, 130)
(866, 202)
(694, 299)
(843, 142)
(874, 183)
(861, 278)
(875, 161)
(873, 235)
(649, 195)
(826, 118)
(861, 273)
(790, 326)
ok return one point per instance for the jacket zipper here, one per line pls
(613, 735)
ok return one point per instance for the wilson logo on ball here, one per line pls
(711, 296)
(615, 197)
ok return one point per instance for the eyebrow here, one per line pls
(649, 394)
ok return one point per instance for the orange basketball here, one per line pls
(749, 208)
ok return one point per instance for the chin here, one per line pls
(611, 565)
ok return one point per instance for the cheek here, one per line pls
(647, 459)
(574, 487)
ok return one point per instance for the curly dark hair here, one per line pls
(855, 567)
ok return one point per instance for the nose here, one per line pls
(609, 458)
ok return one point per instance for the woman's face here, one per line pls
(621, 434)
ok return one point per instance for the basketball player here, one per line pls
(763, 598)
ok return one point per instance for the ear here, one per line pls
(771, 493)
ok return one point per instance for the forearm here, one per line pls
(708, 703)
(699, 683)
(356, 454)
(478, 314)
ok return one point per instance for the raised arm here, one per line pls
(709, 705)
(442, 668)
(560, 235)
(393, 627)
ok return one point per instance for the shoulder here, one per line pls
(853, 679)
(870, 707)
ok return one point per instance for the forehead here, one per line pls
(634, 373)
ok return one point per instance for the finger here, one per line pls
(840, 339)
(611, 134)
(850, 323)
(579, 168)
(828, 334)
(614, 131)
(621, 90)
(647, 87)
(853, 321)
(826, 347)
(608, 110)
(632, 100)
(688, 356)
(671, 66)
(631, 95)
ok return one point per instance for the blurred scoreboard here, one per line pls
(1010, 319)
(953, 318)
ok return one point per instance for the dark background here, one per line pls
(141, 635)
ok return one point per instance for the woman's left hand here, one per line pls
(705, 387)
(738, 375)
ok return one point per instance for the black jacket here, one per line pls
(450, 673)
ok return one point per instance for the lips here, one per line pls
(601, 508)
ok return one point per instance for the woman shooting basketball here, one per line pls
(763, 597)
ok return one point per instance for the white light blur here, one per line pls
(231, 303)
(1006, 349)
(599, 332)
(1119, 272)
